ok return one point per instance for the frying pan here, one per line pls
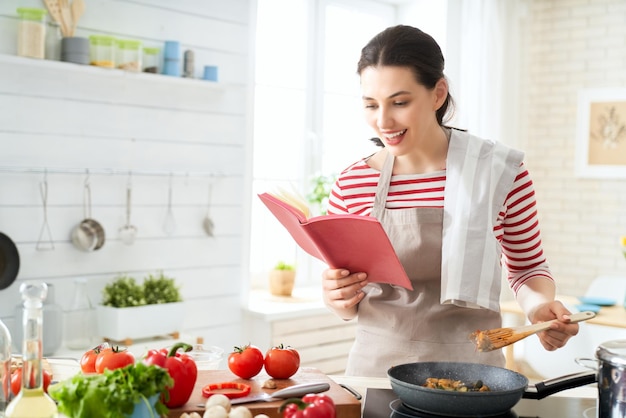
(9, 261)
(507, 387)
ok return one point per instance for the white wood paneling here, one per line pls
(68, 124)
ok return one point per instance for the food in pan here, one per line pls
(455, 385)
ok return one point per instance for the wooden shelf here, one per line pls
(108, 72)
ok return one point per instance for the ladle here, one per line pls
(169, 225)
(48, 244)
(208, 223)
(128, 232)
(89, 234)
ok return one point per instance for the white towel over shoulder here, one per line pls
(479, 176)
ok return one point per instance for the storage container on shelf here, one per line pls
(151, 60)
(102, 50)
(31, 32)
(129, 55)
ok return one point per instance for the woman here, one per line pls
(452, 205)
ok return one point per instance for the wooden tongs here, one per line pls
(494, 339)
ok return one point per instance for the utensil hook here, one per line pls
(169, 194)
(87, 198)
(43, 190)
(209, 193)
(169, 225)
(129, 187)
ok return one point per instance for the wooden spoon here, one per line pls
(66, 18)
(54, 9)
(494, 339)
(78, 8)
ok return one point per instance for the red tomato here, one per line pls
(16, 380)
(113, 358)
(282, 362)
(246, 362)
(88, 361)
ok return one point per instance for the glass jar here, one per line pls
(151, 60)
(79, 319)
(31, 35)
(102, 51)
(53, 41)
(129, 55)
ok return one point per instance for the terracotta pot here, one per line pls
(281, 282)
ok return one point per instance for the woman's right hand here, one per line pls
(342, 291)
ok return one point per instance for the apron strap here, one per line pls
(384, 182)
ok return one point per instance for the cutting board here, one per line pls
(347, 405)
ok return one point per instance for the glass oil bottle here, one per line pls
(32, 401)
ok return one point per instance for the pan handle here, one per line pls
(550, 386)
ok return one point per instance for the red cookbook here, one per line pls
(356, 243)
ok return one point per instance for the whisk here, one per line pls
(494, 339)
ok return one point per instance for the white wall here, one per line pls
(69, 118)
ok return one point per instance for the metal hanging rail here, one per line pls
(109, 171)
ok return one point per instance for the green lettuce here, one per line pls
(112, 394)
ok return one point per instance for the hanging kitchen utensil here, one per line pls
(128, 232)
(88, 235)
(169, 225)
(208, 223)
(48, 243)
(9, 261)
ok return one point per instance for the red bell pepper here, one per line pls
(310, 406)
(181, 368)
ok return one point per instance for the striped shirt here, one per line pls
(516, 228)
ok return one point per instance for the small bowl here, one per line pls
(206, 357)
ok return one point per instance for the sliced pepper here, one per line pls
(181, 368)
(242, 390)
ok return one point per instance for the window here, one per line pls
(308, 116)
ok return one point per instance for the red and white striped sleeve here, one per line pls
(520, 234)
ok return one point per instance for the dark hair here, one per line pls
(406, 46)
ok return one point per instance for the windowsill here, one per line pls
(303, 301)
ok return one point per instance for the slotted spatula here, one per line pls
(494, 339)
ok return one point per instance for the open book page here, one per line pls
(354, 242)
(294, 200)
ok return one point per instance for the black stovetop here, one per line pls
(383, 403)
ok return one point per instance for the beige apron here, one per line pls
(398, 326)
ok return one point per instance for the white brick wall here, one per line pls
(573, 45)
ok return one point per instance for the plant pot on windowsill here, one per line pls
(282, 279)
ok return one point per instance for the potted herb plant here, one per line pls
(321, 187)
(282, 279)
(131, 310)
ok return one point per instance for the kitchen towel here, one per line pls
(479, 176)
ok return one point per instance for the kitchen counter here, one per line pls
(65, 368)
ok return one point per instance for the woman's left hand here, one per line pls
(561, 331)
